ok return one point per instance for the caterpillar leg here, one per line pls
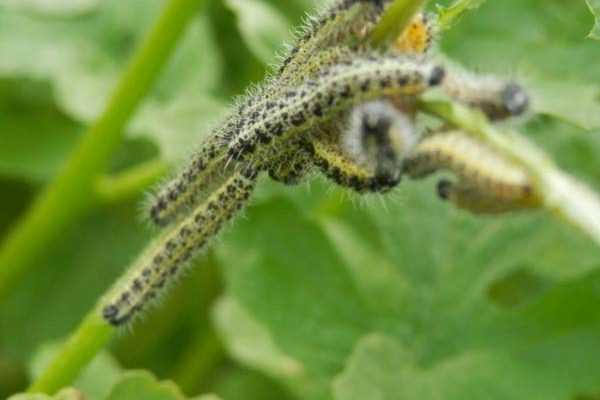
(175, 250)
(486, 181)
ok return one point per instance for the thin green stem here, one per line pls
(130, 183)
(73, 191)
(395, 20)
(91, 336)
(561, 194)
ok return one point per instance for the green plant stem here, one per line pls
(89, 338)
(73, 191)
(561, 194)
(130, 183)
(395, 20)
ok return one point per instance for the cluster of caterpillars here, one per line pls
(339, 107)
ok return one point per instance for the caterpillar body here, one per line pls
(341, 24)
(497, 98)
(292, 165)
(157, 270)
(378, 137)
(336, 89)
(486, 181)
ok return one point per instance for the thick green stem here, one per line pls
(73, 191)
(91, 336)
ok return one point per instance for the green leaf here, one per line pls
(81, 58)
(594, 6)
(423, 276)
(94, 382)
(65, 394)
(555, 98)
(545, 48)
(143, 386)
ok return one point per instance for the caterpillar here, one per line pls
(341, 24)
(292, 165)
(336, 166)
(487, 183)
(177, 248)
(497, 98)
(337, 88)
(324, 43)
(378, 137)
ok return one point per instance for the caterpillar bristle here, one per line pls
(173, 252)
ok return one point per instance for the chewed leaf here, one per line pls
(594, 6)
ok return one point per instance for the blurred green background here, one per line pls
(314, 293)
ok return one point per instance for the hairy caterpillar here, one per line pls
(486, 181)
(341, 24)
(497, 98)
(336, 165)
(378, 137)
(322, 44)
(292, 165)
(337, 88)
(156, 271)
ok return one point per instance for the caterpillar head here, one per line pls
(514, 99)
(378, 138)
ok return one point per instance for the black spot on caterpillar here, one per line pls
(337, 88)
(158, 269)
(487, 183)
